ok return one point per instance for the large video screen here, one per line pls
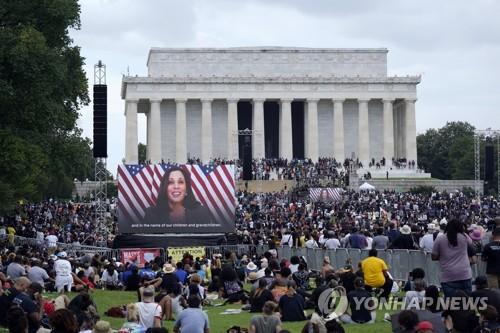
(325, 194)
(172, 198)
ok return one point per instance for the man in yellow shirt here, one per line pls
(375, 273)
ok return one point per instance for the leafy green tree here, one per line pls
(142, 152)
(448, 152)
(42, 88)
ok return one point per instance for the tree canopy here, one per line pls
(42, 88)
(448, 152)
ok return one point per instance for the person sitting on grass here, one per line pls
(195, 287)
(133, 323)
(360, 303)
(63, 320)
(407, 321)
(167, 281)
(150, 312)
(280, 285)
(232, 288)
(17, 321)
(110, 278)
(267, 322)
(259, 297)
(414, 298)
(414, 275)
(291, 304)
(192, 319)
(134, 279)
(173, 303)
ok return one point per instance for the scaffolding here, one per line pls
(100, 174)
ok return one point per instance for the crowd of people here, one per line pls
(456, 230)
(275, 289)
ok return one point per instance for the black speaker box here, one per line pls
(100, 120)
(489, 162)
(247, 157)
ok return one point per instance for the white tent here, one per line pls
(367, 187)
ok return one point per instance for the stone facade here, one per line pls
(351, 107)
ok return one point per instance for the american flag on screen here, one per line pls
(213, 187)
(334, 193)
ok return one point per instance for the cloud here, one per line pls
(454, 44)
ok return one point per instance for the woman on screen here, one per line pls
(324, 195)
(176, 203)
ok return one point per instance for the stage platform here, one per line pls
(171, 240)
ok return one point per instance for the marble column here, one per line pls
(338, 130)
(258, 148)
(363, 133)
(180, 131)
(232, 129)
(131, 150)
(388, 131)
(410, 130)
(154, 144)
(286, 145)
(148, 135)
(206, 130)
(312, 130)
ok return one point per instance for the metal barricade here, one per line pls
(400, 264)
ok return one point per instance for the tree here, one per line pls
(42, 88)
(142, 152)
(448, 152)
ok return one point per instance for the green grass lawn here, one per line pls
(218, 323)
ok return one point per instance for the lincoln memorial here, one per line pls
(296, 102)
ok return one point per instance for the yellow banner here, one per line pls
(178, 252)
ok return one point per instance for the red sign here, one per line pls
(139, 257)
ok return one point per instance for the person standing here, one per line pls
(64, 278)
(380, 241)
(427, 241)
(451, 250)
(287, 239)
(311, 243)
(491, 254)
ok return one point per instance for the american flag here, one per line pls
(213, 187)
(334, 193)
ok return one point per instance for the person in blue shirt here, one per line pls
(181, 273)
(147, 272)
(201, 272)
(126, 274)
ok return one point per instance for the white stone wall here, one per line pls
(219, 128)
(350, 128)
(266, 61)
(168, 130)
(325, 128)
(193, 119)
(376, 128)
(266, 73)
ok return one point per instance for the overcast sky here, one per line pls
(454, 45)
